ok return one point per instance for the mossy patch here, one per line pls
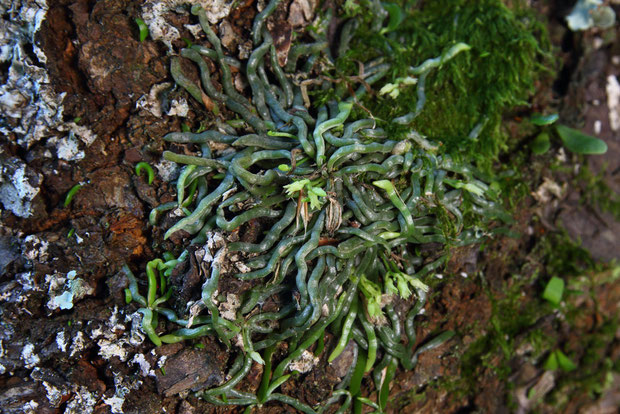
(524, 328)
(467, 96)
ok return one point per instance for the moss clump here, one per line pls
(471, 92)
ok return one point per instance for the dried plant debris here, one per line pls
(346, 214)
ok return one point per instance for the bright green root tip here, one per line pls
(149, 171)
(71, 193)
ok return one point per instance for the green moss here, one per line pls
(514, 323)
(476, 87)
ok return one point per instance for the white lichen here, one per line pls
(122, 387)
(116, 403)
(167, 170)
(53, 394)
(19, 184)
(67, 148)
(136, 337)
(35, 249)
(31, 407)
(143, 364)
(242, 267)
(178, 107)
(85, 134)
(29, 357)
(152, 102)
(63, 291)
(61, 341)
(26, 279)
(590, 13)
(110, 348)
(228, 309)
(305, 362)
(78, 343)
(613, 102)
(161, 361)
(30, 109)
(548, 190)
(113, 338)
(83, 401)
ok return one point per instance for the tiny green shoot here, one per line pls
(71, 194)
(128, 296)
(541, 143)
(149, 171)
(557, 359)
(396, 17)
(580, 143)
(554, 290)
(543, 120)
(143, 28)
(313, 191)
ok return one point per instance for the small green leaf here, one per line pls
(128, 297)
(314, 201)
(403, 287)
(541, 144)
(295, 187)
(284, 168)
(564, 362)
(396, 17)
(542, 120)
(418, 284)
(318, 191)
(554, 290)
(580, 143)
(384, 185)
(551, 364)
(144, 29)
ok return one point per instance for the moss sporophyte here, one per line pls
(370, 190)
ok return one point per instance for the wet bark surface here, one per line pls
(93, 357)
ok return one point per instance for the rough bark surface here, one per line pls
(91, 356)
